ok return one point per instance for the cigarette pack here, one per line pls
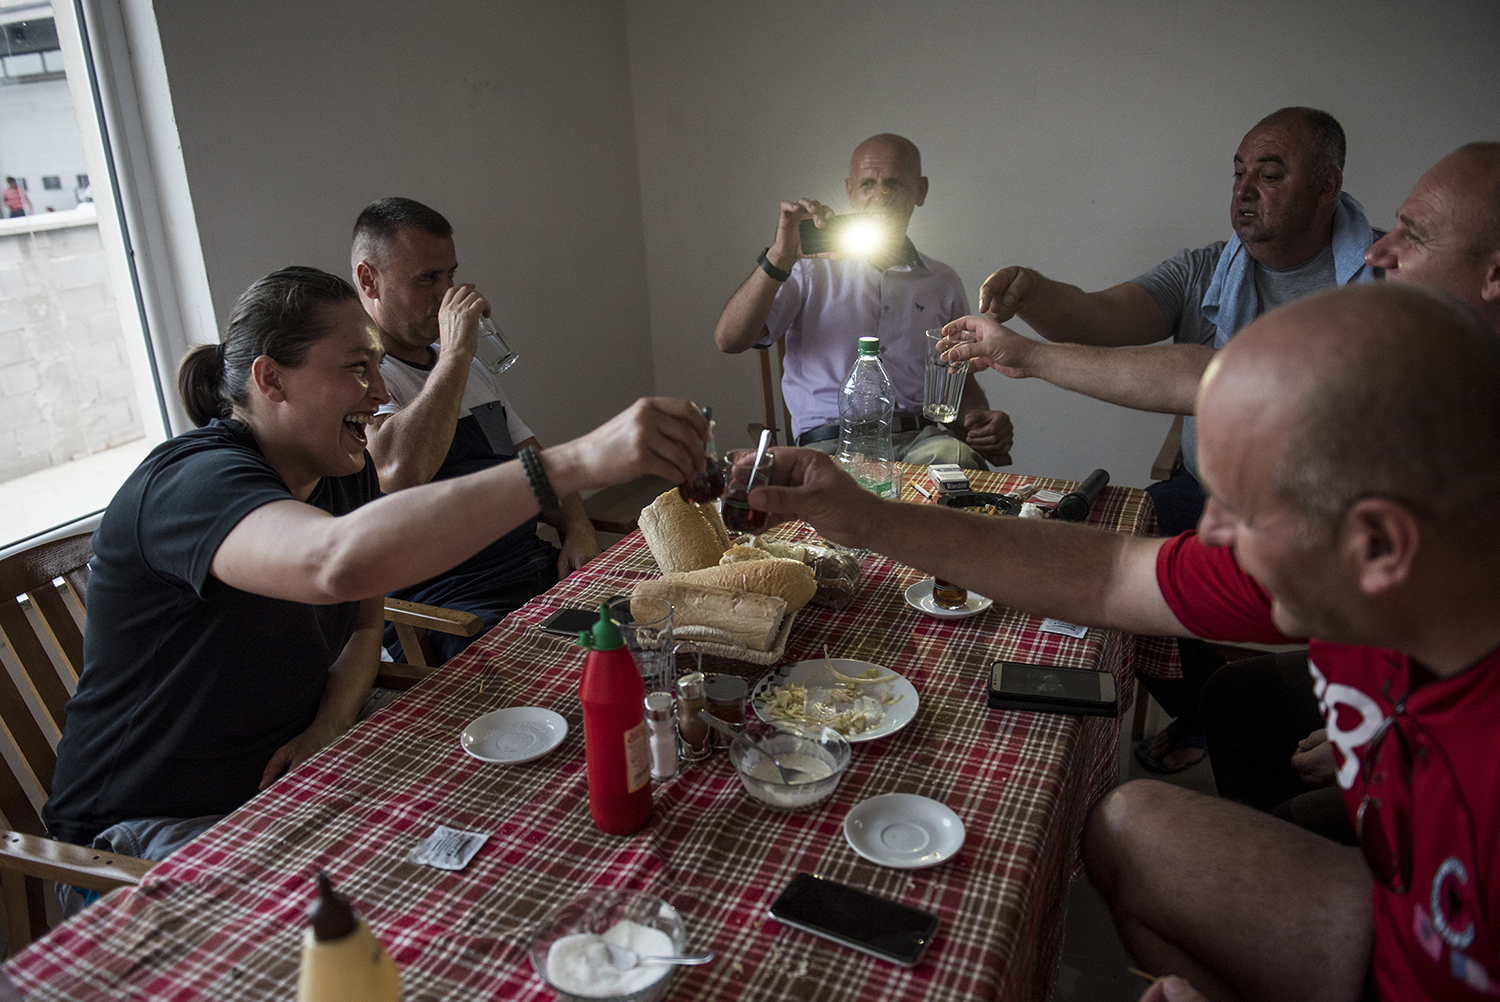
(948, 478)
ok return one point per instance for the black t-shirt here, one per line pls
(189, 686)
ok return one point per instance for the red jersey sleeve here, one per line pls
(1211, 596)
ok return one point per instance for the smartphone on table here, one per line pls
(878, 926)
(569, 622)
(1052, 689)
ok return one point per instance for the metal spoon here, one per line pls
(786, 771)
(760, 453)
(625, 958)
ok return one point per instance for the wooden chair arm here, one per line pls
(398, 676)
(1170, 456)
(66, 863)
(433, 617)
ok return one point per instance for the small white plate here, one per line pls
(919, 597)
(514, 735)
(897, 714)
(903, 830)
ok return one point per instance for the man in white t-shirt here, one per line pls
(448, 414)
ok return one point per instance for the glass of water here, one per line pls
(646, 626)
(492, 351)
(944, 384)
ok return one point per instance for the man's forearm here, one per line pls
(1075, 573)
(1122, 315)
(743, 322)
(409, 446)
(1160, 378)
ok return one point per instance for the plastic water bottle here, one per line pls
(867, 404)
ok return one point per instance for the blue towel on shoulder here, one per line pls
(1231, 301)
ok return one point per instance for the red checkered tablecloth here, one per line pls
(222, 918)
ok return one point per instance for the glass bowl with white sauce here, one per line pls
(819, 756)
(568, 950)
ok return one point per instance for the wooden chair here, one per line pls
(46, 645)
(770, 390)
(1170, 457)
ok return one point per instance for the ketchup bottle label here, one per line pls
(637, 757)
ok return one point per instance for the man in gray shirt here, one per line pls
(1295, 232)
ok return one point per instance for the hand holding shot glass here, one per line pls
(944, 383)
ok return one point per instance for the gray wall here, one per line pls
(1090, 140)
(513, 119)
(591, 153)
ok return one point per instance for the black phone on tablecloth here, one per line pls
(878, 926)
(569, 622)
(1052, 689)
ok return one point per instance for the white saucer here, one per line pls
(514, 735)
(919, 597)
(903, 830)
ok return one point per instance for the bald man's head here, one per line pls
(1370, 391)
(885, 176)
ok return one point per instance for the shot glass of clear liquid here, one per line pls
(492, 351)
(944, 384)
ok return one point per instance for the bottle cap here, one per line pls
(690, 686)
(330, 916)
(659, 706)
(604, 636)
(869, 346)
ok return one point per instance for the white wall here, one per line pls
(1088, 139)
(590, 153)
(513, 119)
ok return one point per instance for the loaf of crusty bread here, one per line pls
(736, 554)
(683, 536)
(791, 580)
(751, 618)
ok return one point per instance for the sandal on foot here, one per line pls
(1176, 740)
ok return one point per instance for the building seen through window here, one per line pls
(72, 424)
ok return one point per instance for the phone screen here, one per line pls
(873, 924)
(569, 622)
(1048, 682)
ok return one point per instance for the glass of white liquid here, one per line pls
(944, 384)
(492, 351)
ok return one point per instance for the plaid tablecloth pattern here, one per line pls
(222, 919)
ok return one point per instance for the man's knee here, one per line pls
(943, 448)
(1119, 826)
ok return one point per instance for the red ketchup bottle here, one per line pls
(616, 740)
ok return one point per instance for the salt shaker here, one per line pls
(663, 736)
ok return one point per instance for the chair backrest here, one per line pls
(770, 391)
(45, 647)
(1169, 458)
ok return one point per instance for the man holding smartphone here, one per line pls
(1351, 446)
(823, 305)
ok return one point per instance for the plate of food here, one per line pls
(860, 700)
(919, 597)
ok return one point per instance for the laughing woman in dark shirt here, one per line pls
(235, 601)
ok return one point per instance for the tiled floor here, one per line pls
(1094, 964)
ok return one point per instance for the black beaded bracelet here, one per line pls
(770, 269)
(541, 487)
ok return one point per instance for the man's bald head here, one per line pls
(1323, 133)
(1447, 232)
(900, 150)
(885, 176)
(1374, 391)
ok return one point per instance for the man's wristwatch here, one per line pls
(770, 269)
(541, 487)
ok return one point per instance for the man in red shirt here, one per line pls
(1351, 446)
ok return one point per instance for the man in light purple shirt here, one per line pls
(823, 306)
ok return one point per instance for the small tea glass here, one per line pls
(492, 351)
(736, 511)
